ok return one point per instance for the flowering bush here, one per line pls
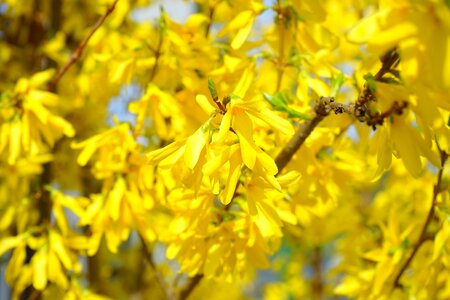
(257, 149)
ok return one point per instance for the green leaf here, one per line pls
(336, 84)
(212, 89)
(371, 82)
(226, 100)
(277, 100)
(279, 103)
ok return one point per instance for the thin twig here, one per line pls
(157, 53)
(388, 61)
(211, 15)
(286, 154)
(430, 216)
(160, 280)
(79, 51)
(317, 281)
(190, 286)
(305, 129)
(280, 63)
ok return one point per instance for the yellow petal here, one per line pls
(243, 126)
(86, 153)
(172, 159)
(244, 83)
(45, 98)
(63, 125)
(241, 35)
(239, 21)
(4, 135)
(406, 144)
(214, 164)
(194, 146)
(16, 263)
(56, 245)
(224, 128)
(155, 156)
(290, 177)
(365, 29)
(350, 286)
(26, 131)
(6, 220)
(254, 193)
(384, 152)
(14, 142)
(55, 271)
(39, 264)
(387, 39)
(172, 250)
(196, 20)
(310, 9)
(10, 242)
(122, 71)
(42, 77)
(205, 103)
(115, 198)
(60, 216)
(274, 120)
(233, 178)
(441, 240)
(267, 163)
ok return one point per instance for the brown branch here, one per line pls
(388, 61)
(159, 279)
(221, 106)
(317, 283)
(157, 53)
(79, 51)
(360, 110)
(286, 154)
(305, 129)
(280, 64)
(208, 27)
(378, 118)
(430, 216)
(190, 286)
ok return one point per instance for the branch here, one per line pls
(286, 154)
(281, 18)
(210, 23)
(305, 129)
(317, 283)
(157, 53)
(388, 61)
(213, 91)
(430, 216)
(360, 110)
(159, 279)
(79, 51)
(190, 286)
(378, 118)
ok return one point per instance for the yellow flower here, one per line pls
(27, 127)
(113, 145)
(51, 260)
(242, 24)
